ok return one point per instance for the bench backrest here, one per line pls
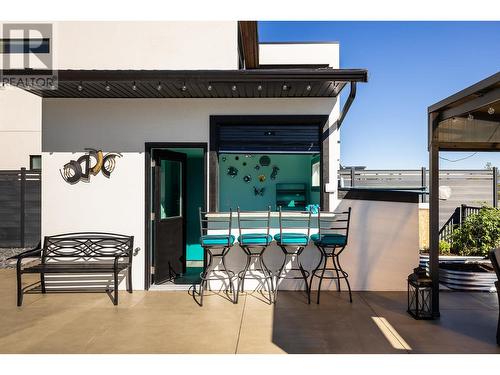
(87, 245)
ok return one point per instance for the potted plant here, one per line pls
(479, 233)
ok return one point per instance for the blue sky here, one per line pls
(411, 65)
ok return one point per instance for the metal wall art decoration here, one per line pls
(265, 160)
(257, 167)
(258, 191)
(89, 164)
(262, 178)
(274, 173)
(247, 178)
(232, 171)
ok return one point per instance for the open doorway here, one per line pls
(176, 189)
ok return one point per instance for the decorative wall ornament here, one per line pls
(247, 178)
(223, 159)
(232, 171)
(262, 178)
(236, 157)
(244, 163)
(265, 160)
(89, 164)
(257, 167)
(258, 191)
(274, 173)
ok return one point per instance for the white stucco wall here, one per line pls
(20, 127)
(146, 45)
(124, 125)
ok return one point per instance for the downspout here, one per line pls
(347, 105)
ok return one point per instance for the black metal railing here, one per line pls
(20, 208)
(456, 219)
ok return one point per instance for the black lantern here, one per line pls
(420, 294)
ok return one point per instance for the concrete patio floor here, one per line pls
(171, 322)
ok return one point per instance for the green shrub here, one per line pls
(444, 248)
(479, 233)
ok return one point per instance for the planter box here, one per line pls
(475, 279)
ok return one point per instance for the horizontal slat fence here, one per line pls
(468, 187)
(20, 208)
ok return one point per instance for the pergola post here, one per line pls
(434, 212)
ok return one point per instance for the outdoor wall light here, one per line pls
(259, 88)
(134, 87)
(491, 111)
(308, 87)
(233, 88)
(108, 87)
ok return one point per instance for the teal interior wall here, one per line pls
(234, 191)
(194, 191)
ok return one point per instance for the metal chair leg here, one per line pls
(321, 277)
(19, 288)
(129, 279)
(42, 282)
(336, 267)
(115, 291)
(345, 277)
(267, 276)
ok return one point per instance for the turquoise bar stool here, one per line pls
(293, 243)
(216, 246)
(254, 239)
(331, 240)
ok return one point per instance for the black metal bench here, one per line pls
(79, 253)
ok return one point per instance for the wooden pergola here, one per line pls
(466, 121)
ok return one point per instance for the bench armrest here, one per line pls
(28, 253)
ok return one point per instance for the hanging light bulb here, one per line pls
(234, 88)
(134, 87)
(259, 88)
(108, 87)
(184, 87)
(159, 86)
(209, 88)
(52, 87)
(308, 87)
(491, 111)
(80, 87)
(284, 87)
(470, 117)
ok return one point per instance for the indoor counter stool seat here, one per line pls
(254, 244)
(331, 242)
(216, 246)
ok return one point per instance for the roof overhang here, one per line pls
(467, 100)
(257, 83)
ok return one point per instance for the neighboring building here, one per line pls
(20, 129)
(198, 105)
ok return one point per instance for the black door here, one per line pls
(170, 213)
